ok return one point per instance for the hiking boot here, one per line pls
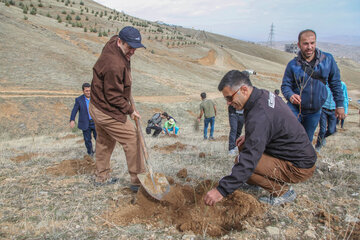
(134, 188)
(287, 197)
(205, 138)
(212, 138)
(111, 180)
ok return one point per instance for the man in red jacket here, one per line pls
(110, 105)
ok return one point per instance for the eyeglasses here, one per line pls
(231, 98)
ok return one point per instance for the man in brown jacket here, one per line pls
(110, 105)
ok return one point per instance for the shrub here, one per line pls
(152, 51)
(40, 5)
(59, 19)
(68, 17)
(25, 17)
(25, 9)
(63, 12)
(105, 34)
(73, 25)
(77, 18)
(81, 3)
(48, 15)
(33, 11)
(85, 29)
(100, 34)
(87, 19)
(72, 12)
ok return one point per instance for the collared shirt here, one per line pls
(87, 100)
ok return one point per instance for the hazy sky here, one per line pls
(251, 19)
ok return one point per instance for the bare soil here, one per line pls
(184, 207)
(178, 146)
(73, 167)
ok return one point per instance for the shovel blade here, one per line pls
(156, 185)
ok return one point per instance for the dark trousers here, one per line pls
(341, 122)
(156, 132)
(236, 124)
(327, 125)
(87, 137)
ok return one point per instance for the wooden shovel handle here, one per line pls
(139, 132)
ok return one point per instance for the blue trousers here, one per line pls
(87, 137)
(236, 124)
(309, 120)
(172, 129)
(212, 126)
(327, 125)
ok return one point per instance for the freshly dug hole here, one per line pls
(184, 207)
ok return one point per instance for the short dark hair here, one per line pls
(203, 95)
(277, 91)
(165, 114)
(85, 85)
(304, 31)
(234, 78)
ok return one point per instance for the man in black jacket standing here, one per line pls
(275, 150)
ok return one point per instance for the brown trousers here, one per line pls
(272, 174)
(109, 131)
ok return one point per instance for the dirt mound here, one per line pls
(178, 146)
(24, 157)
(73, 167)
(182, 173)
(202, 155)
(184, 207)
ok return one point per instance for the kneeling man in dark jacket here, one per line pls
(275, 150)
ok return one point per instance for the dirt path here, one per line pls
(71, 94)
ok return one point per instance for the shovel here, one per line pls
(155, 184)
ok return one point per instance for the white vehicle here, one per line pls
(251, 72)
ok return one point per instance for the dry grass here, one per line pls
(37, 205)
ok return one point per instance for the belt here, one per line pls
(329, 110)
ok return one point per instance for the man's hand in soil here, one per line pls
(212, 197)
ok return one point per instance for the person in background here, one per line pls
(86, 123)
(111, 105)
(170, 126)
(327, 123)
(208, 109)
(305, 79)
(236, 120)
(155, 124)
(346, 104)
